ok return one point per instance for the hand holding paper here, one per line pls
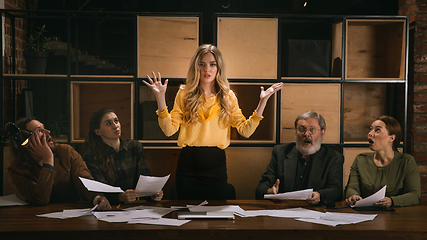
(371, 200)
(150, 185)
(146, 185)
(295, 195)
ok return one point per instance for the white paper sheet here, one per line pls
(334, 219)
(11, 200)
(112, 216)
(285, 213)
(76, 213)
(295, 195)
(224, 208)
(369, 201)
(161, 221)
(254, 213)
(348, 217)
(149, 185)
(51, 215)
(69, 213)
(142, 207)
(149, 213)
(296, 213)
(96, 186)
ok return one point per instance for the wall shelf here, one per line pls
(357, 73)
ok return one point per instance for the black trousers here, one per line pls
(201, 174)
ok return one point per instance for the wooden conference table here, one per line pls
(19, 222)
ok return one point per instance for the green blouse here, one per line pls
(401, 176)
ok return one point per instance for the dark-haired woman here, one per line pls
(385, 166)
(112, 160)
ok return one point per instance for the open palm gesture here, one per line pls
(156, 84)
(267, 93)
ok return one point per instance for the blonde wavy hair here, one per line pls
(193, 93)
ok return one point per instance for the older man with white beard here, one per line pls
(305, 164)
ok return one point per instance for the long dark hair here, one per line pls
(94, 142)
(19, 152)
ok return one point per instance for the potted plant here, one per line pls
(59, 127)
(36, 54)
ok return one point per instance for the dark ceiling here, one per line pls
(335, 7)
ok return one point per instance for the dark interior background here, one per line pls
(109, 35)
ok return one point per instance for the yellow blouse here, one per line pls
(207, 131)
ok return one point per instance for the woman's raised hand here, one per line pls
(159, 89)
(156, 84)
(267, 93)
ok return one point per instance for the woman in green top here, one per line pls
(385, 166)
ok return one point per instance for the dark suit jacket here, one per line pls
(326, 173)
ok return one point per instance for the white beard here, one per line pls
(312, 149)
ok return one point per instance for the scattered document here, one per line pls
(254, 213)
(131, 214)
(161, 221)
(96, 186)
(334, 219)
(371, 200)
(113, 216)
(206, 215)
(11, 200)
(69, 213)
(142, 207)
(296, 213)
(57, 215)
(154, 215)
(146, 216)
(149, 185)
(285, 213)
(295, 195)
(224, 208)
(149, 213)
(77, 212)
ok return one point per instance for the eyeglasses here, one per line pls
(311, 130)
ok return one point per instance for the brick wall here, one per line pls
(21, 28)
(417, 95)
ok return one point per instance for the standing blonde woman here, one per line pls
(385, 166)
(205, 109)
